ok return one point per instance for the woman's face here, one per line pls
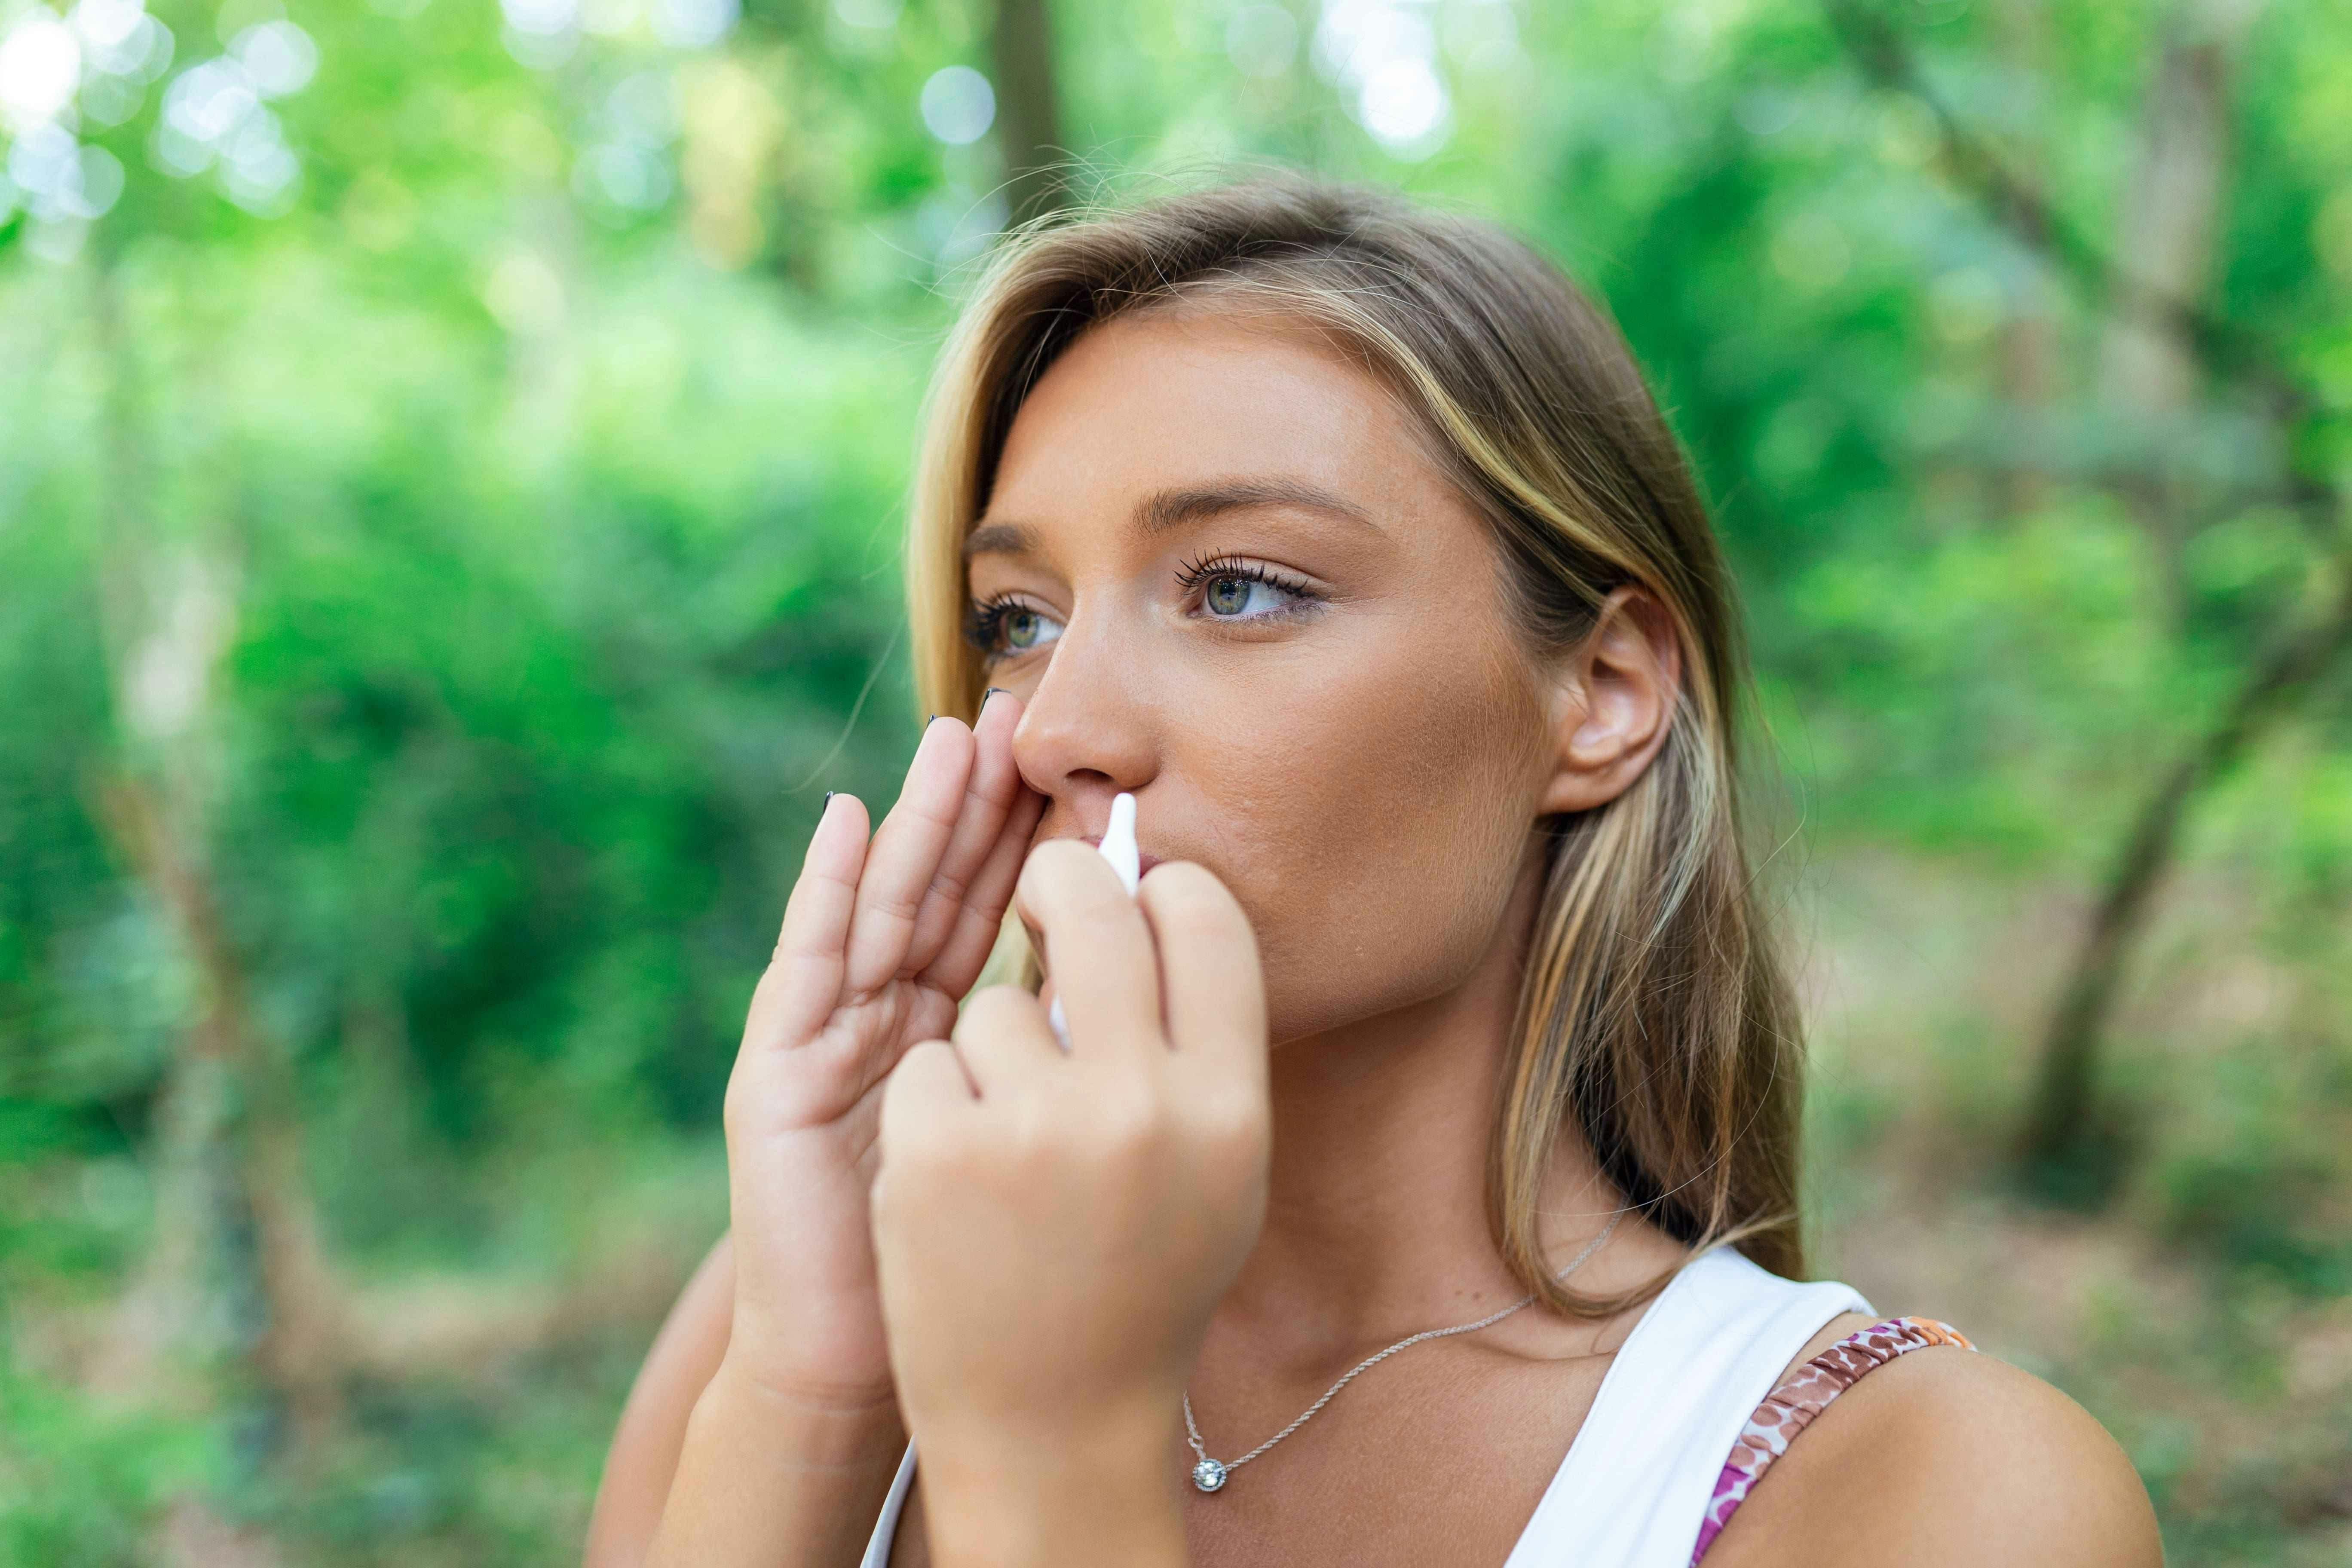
(1223, 574)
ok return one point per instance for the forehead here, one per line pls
(1163, 398)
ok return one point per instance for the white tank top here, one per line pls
(1639, 1475)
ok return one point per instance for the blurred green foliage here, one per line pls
(450, 458)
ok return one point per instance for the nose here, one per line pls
(1088, 730)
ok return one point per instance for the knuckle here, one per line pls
(1126, 1124)
(897, 908)
(1231, 1128)
(949, 885)
(1034, 1147)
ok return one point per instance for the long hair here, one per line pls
(1654, 1016)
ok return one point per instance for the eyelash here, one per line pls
(1193, 574)
(985, 622)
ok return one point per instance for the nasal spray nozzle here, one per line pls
(1118, 847)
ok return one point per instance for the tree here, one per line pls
(1029, 123)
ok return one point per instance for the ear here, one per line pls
(1614, 699)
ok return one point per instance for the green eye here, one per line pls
(1229, 596)
(1005, 628)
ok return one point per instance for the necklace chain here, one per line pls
(1208, 1475)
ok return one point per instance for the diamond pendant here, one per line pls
(1208, 1475)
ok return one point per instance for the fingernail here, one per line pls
(989, 693)
(931, 721)
(828, 801)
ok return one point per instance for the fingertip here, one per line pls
(1054, 871)
(1094, 940)
(1176, 887)
(1181, 877)
(843, 812)
(940, 767)
(1211, 967)
(998, 708)
(840, 820)
(1060, 858)
(942, 733)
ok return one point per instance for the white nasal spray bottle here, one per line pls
(1118, 847)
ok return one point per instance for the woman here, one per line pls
(1346, 538)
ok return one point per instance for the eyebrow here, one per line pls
(1165, 510)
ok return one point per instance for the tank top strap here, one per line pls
(1638, 1483)
(1635, 1486)
(1805, 1394)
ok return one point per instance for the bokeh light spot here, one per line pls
(40, 66)
(958, 105)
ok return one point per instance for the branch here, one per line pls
(2229, 350)
(2062, 1104)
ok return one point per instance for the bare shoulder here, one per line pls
(652, 1429)
(1946, 1457)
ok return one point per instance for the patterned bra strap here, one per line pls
(1803, 1394)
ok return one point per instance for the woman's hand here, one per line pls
(1053, 1230)
(880, 941)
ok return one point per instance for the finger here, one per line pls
(906, 854)
(920, 1101)
(1003, 1040)
(930, 1077)
(981, 919)
(1101, 950)
(803, 979)
(1210, 974)
(988, 794)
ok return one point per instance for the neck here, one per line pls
(1376, 1218)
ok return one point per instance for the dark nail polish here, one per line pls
(931, 721)
(989, 693)
(828, 800)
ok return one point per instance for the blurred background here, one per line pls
(451, 455)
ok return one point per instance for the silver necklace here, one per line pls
(1209, 1475)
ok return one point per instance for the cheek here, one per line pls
(1372, 823)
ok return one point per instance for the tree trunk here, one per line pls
(2163, 342)
(229, 1096)
(2027, 349)
(2152, 368)
(2171, 217)
(229, 1139)
(2059, 1132)
(1028, 111)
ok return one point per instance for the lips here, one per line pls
(1143, 860)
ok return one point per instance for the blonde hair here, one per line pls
(1654, 1016)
